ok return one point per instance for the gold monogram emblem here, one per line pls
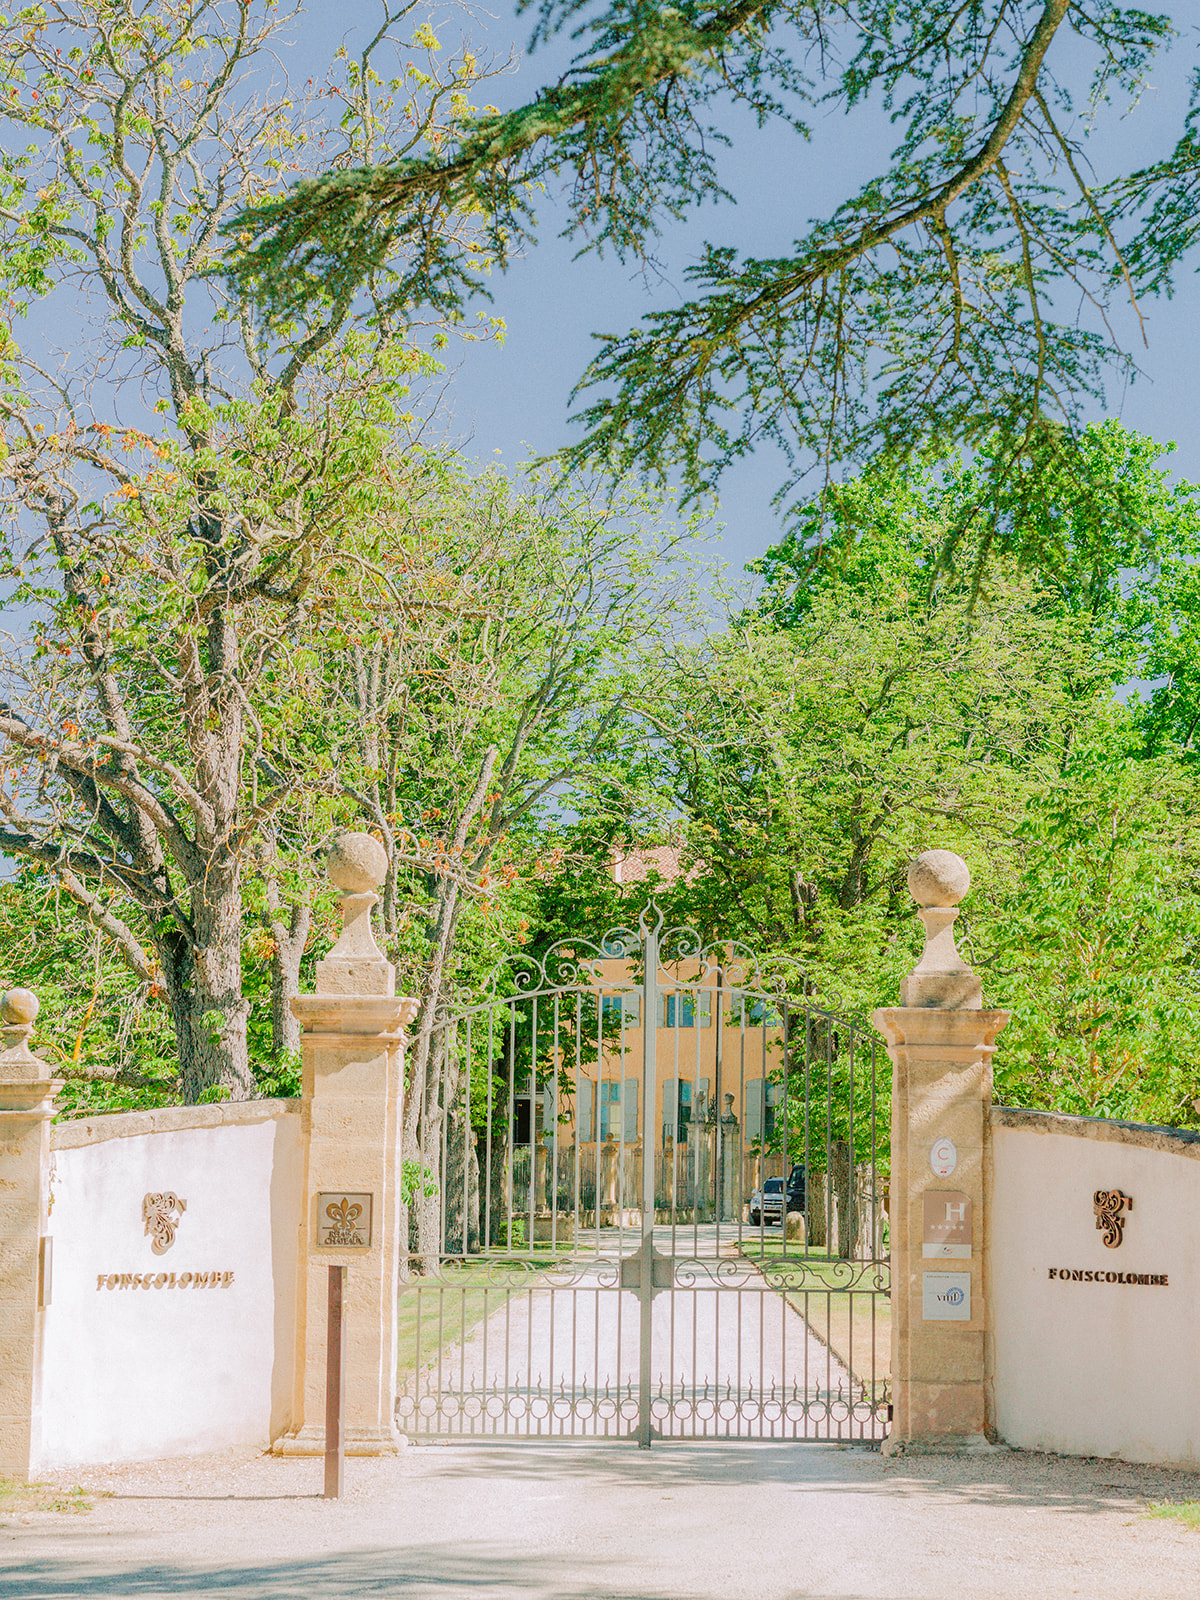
(161, 1214)
(1111, 1207)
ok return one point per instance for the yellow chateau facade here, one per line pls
(720, 1109)
(714, 1052)
(718, 1116)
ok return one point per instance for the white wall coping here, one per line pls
(1179, 1141)
(79, 1131)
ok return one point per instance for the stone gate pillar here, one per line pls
(353, 1082)
(941, 1044)
(27, 1092)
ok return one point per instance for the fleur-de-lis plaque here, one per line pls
(1111, 1207)
(161, 1214)
(344, 1220)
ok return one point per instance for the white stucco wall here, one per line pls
(132, 1373)
(1104, 1369)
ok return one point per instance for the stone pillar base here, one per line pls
(974, 1444)
(359, 1442)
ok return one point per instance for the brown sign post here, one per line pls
(335, 1383)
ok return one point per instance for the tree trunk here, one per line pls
(204, 993)
(290, 935)
(461, 1180)
(816, 1206)
(843, 1188)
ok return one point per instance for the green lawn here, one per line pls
(437, 1313)
(16, 1498)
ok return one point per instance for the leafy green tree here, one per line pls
(871, 704)
(526, 612)
(1097, 947)
(102, 1025)
(159, 576)
(930, 310)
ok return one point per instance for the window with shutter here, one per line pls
(610, 1110)
(616, 1008)
(685, 1009)
(773, 1110)
(677, 1108)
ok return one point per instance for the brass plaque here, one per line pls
(344, 1220)
(946, 1234)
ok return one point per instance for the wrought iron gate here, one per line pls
(650, 1207)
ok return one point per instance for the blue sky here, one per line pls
(516, 396)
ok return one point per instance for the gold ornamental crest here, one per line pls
(161, 1213)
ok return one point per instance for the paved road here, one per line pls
(607, 1522)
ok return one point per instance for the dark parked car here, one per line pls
(767, 1203)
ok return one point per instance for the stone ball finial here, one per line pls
(938, 878)
(356, 863)
(19, 1007)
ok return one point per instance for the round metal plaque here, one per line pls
(943, 1157)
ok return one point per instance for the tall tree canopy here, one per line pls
(872, 705)
(937, 305)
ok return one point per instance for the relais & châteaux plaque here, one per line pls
(344, 1221)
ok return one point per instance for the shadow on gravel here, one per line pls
(415, 1573)
(1004, 1478)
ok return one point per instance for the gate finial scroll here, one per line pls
(651, 918)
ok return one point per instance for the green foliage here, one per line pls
(100, 1026)
(17, 1498)
(1098, 948)
(416, 1181)
(873, 703)
(1185, 1511)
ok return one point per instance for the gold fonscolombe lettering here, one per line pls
(164, 1280)
(1073, 1275)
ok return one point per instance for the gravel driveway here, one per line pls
(596, 1521)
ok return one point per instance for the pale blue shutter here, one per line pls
(752, 1114)
(585, 1100)
(671, 1108)
(629, 1102)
